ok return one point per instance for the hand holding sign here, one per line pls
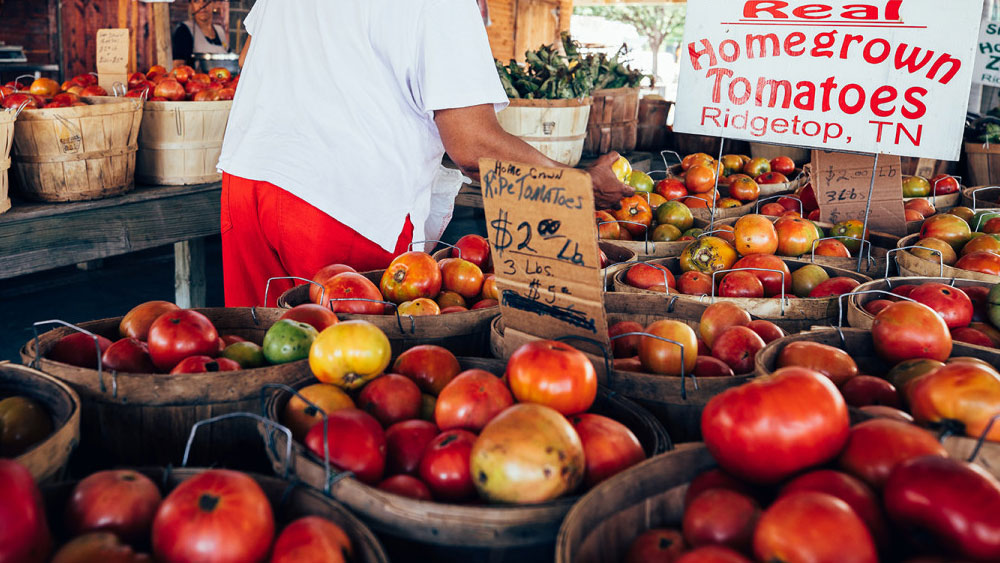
(540, 224)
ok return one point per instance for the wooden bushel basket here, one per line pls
(766, 150)
(458, 532)
(77, 153)
(6, 142)
(288, 501)
(794, 315)
(981, 197)
(613, 121)
(47, 458)
(180, 142)
(652, 130)
(557, 128)
(857, 317)
(144, 418)
(858, 343)
(983, 164)
(911, 265)
(606, 521)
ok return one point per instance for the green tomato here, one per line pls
(288, 341)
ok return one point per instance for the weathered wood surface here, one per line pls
(37, 237)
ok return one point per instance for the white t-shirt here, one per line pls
(336, 102)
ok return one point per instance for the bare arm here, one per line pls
(472, 133)
(243, 53)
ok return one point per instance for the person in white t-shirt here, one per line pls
(343, 114)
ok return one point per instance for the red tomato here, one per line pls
(390, 398)
(833, 287)
(409, 276)
(356, 442)
(813, 526)
(473, 248)
(625, 346)
(665, 356)
(319, 294)
(24, 533)
(862, 500)
(742, 285)
(875, 447)
(136, 323)
(715, 479)
(767, 330)
(78, 349)
(783, 165)
(445, 466)
(943, 184)
(180, 334)
(471, 400)
(358, 290)
(431, 367)
(128, 355)
(312, 538)
(832, 362)
(771, 280)
(775, 426)
(717, 317)
(205, 364)
(712, 554)
(956, 503)
(887, 412)
(553, 374)
(866, 390)
(951, 303)
(658, 545)
(907, 331)
(645, 276)
(707, 366)
(218, 515)
(405, 443)
(317, 316)
(120, 501)
(721, 517)
(462, 276)
(608, 446)
(406, 486)
(738, 347)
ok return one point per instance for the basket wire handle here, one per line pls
(756, 208)
(395, 309)
(267, 287)
(783, 299)
(663, 155)
(97, 346)
(840, 308)
(326, 425)
(600, 346)
(30, 76)
(871, 261)
(982, 437)
(684, 375)
(258, 418)
(975, 205)
(20, 108)
(643, 225)
(888, 254)
(118, 87)
(410, 246)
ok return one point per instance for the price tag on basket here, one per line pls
(112, 57)
(543, 239)
(841, 181)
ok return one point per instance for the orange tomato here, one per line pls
(695, 159)
(728, 202)
(755, 235)
(635, 209)
(700, 179)
(743, 187)
(607, 227)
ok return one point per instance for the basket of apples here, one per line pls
(72, 142)
(456, 452)
(183, 123)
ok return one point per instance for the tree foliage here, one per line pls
(659, 24)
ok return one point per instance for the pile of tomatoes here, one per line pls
(182, 83)
(972, 314)
(797, 483)
(47, 93)
(160, 337)
(726, 344)
(968, 243)
(424, 427)
(760, 242)
(416, 283)
(118, 515)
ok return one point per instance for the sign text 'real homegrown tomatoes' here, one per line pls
(889, 76)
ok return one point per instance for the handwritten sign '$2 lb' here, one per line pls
(543, 240)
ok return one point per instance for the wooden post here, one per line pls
(163, 46)
(189, 273)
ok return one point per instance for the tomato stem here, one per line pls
(207, 502)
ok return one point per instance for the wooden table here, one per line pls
(41, 236)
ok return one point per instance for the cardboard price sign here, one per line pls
(543, 240)
(867, 76)
(842, 180)
(112, 57)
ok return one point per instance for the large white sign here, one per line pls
(890, 76)
(987, 70)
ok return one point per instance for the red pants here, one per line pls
(268, 232)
